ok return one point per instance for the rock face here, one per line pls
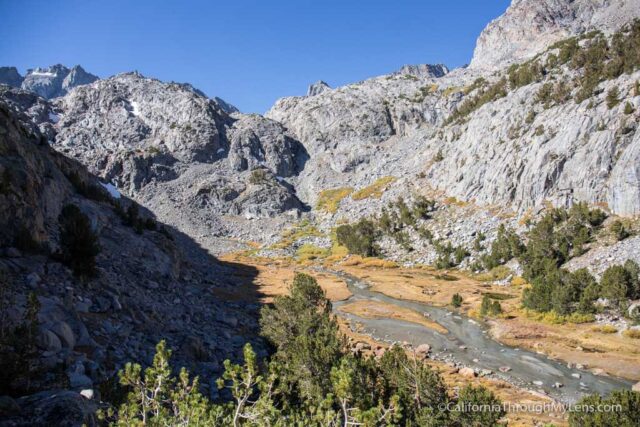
(151, 285)
(424, 70)
(55, 81)
(176, 150)
(530, 26)
(317, 88)
(10, 76)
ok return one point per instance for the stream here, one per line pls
(468, 343)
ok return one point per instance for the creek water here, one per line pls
(469, 344)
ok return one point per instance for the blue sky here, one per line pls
(248, 52)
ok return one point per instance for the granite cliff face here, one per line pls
(530, 26)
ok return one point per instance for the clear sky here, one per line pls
(248, 52)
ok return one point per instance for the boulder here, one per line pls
(77, 380)
(423, 349)
(65, 333)
(467, 372)
(48, 341)
(87, 393)
(32, 280)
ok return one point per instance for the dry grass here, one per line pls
(329, 200)
(500, 272)
(356, 260)
(374, 190)
(632, 333)
(297, 232)
(605, 329)
(309, 252)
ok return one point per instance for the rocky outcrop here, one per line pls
(10, 76)
(158, 141)
(55, 81)
(317, 88)
(424, 70)
(530, 26)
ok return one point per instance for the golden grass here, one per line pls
(374, 190)
(329, 200)
(371, 262)
(500, 272)
(299, 231)
(632, 333)
(518, 281)
(605, 329)
(553, 318)
(309, 252)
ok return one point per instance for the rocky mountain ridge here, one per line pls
(528, 27)
(49, 82)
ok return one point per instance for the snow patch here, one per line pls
(42, 74)
(135, 107)
(111, 189)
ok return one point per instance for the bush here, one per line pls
(506, 247)
(628, 108)
(619, 283)
(78, 242)
(259, 177)
(625, 410)
(360, 238)
(618, 230)
(490, 307)
(605, 329)
(456, 300)
(632, 333)
(613, 97)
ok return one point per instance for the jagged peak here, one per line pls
(317, 88)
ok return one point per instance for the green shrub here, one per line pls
(628, 108)
(259, 177)
(490, 307)
(618, 230)
(456, 300)
(78, 243)
(360, 238)
(623, 405)
(505, 247)
(495, 91)
(613, 97)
